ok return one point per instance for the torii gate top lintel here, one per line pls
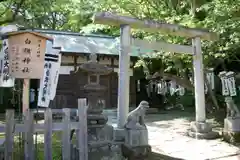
(153, 26)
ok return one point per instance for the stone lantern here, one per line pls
(95, 90)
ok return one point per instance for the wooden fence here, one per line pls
(28, 128)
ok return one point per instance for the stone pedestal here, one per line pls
(231, 132)
(136, 144)
(136, 138)
(119, 134)
(232, 124)
(201, 130)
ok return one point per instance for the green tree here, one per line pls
(221, 16)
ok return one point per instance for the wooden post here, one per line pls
(25, 109)
(75, 63)
(82, 130)
(66, 146)
(25, 96)
(28, 139)
(9, 135)
(48, 134)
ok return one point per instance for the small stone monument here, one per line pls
(231, 131)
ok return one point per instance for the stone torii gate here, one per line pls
(199, 128)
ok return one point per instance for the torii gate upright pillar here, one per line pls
(123, 75)
(198, 80)
(199, 128)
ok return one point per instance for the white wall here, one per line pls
(65, 70)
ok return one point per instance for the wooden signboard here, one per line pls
(26, 54)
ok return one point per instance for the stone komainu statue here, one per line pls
(135, 119)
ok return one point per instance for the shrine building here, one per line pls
(75, 50)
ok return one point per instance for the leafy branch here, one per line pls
(15, 10)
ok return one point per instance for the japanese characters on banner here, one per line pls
(228, 83)
(27, 50)
(48, 83)
(44, 90)
(210, 80)
(231, 84)
(173, 87)
(6, 80)
(162, 88)
(210, 77)
(181, 90)
(56, 64)
(222, 76)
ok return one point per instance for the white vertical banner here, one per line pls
(173, 87)
(6, 80)
(231, 83)
(45, 82)
(56, 64)
(181, 90)
(212, 80)
(1, 57)
(205, 88)
(225, 89)
(148, 90)
(159, 88)
(1, 61)
(162, 87)
(138, 85)
(165, 88)
(210, 77)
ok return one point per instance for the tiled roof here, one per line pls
(76, 43)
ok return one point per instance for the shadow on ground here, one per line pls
(158, 156)
(170, 115)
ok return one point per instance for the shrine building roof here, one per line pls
(71, 42)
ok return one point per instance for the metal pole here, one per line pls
(123, 75)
